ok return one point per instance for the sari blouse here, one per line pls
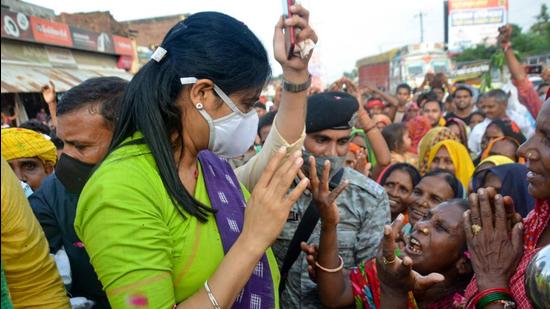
(144, 251)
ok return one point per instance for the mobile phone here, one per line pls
(533, 69)
(290, 32)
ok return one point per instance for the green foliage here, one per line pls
(541, 26)
(476, 53)
(351, 75)
(495, 62)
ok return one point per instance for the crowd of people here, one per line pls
(180, 189)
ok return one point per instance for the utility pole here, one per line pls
(420, 15)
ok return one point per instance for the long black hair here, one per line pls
(207, 45)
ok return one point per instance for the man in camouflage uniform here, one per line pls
(363, 205)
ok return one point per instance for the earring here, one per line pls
(199, 106)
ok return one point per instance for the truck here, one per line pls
(408, 64)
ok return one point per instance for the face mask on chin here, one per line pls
(336, 163)
(232, 135)
(73, 173)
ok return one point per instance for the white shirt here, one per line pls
(474, 141)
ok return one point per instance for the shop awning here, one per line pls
(30, 78)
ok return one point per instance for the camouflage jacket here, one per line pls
(364, 209)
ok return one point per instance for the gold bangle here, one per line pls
(331, 270)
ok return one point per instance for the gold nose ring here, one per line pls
(425, 231)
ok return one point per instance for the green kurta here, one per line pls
(142, 249)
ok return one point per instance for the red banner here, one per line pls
(123, 46)
(19, 26)
(51, 32)
(125, 62)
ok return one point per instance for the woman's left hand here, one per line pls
(300, 21)
(324, 198)
(495, 248)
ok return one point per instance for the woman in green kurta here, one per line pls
(147, 216)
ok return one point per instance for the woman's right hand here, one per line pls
(269, 204)
(295, 66)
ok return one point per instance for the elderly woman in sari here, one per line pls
(437, 244)
(454, 157)
(507, 180)
(501, 248)
(431, 138)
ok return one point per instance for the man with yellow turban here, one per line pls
(30, 154)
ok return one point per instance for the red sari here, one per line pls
(535, 224)
(366, 290)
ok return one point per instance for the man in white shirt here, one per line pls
(493, 104)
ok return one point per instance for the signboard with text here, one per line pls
(19, 26)
(89, 40)
(123, 46)
(50, 32)
(473, 22)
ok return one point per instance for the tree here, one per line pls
(351, 75)
(533, 42)
(543, 20)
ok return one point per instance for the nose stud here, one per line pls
(425, 231)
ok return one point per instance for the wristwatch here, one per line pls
(295, 88)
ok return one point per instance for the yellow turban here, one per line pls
(23, 143)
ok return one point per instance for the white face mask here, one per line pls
(232, 135)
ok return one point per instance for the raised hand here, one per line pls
(504, 35)
(361, 164)
(442, 78)
(270, 202)
(396, 274)
(48, 93)
(299, 20)
(325, 200)
(494, 245)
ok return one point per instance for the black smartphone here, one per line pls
(290, 32)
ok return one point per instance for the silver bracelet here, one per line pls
(211, 296)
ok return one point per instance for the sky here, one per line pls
(348, 29)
